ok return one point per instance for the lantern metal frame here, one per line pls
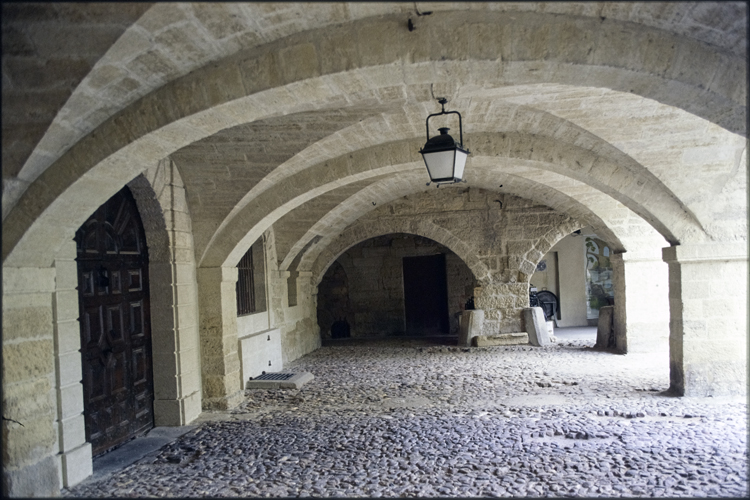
(455, 146)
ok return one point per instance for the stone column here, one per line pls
(641, 314)
(708, 319)
(31, 466)
(221, 374)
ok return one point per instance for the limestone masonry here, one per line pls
(149, 149)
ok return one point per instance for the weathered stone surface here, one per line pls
(536, 326)
(298, 119)
(455, 422)
(472, 323)
(36, 480)
(501, 339)
(605, 328)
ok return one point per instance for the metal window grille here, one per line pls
(245, 285)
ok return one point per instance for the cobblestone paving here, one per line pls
(403, 419)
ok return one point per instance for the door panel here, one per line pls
(115, 324)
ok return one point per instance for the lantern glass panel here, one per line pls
(440, 164)
(460, 164)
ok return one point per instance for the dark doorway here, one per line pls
(425, 295)
(115, 323)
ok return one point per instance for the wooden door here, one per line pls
(115, 324)
(425, 295)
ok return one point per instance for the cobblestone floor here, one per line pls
(402, 419)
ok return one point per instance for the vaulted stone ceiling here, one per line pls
(628, 116)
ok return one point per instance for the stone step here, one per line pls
(501, 339)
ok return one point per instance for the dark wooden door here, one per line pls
(115, 324)
(425, 295)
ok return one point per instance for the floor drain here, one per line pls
(275, 376)
(279, 380)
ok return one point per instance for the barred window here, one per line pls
(251, 297)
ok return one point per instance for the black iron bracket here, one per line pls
(442, 102)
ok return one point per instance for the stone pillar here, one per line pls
(174, 340)
(74, 452)
(221, 374)
(641, 313)
(708, 319)
(503, 305)
(31, 466)
(471, 324)
(162, 203)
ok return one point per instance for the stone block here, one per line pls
(68, 337)
(186, 313)
(188, 338)
(605, 328)
(77, 465)
(184, 274)
(191, 407)
(168, 412)
(34, 439)
(27, 399)
(27, 360)
(72, 433)
(66, 305)
(471, 324)
(189, 380)
(339, 53)
(66, 274)
(299, 62)
(536, 326)
(519, 338)
(224, 84)
(69, 368)
(261, 72)
(26, 322)
(40, 479)
(70, 400)
(28, 279)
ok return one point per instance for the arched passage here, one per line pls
(394, 284)
(649, 92)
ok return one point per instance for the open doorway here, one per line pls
(425, 295)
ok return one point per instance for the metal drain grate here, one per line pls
(279, 381)
(275, 376)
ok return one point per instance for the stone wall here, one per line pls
(299, 334)
(30, 466)
(500, 237)
(365, 285)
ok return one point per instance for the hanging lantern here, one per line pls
(444, 158)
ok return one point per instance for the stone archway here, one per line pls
(369, 286)
(115, 320)
(177, 391)
(363, 231)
